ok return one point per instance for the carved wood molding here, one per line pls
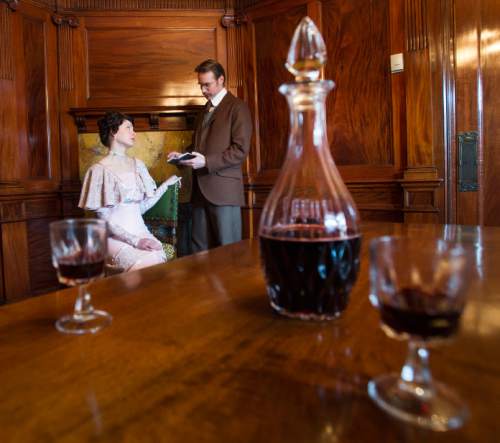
(9, 187)
(28, 207)
(416, 193)
(420, 187)
(6, 51)
(14, 4)
(51, 4)
(66, 20)
(231, 20)
(153, 118)
(416, 34)
(235, 56)
(11, 4)
(244, 4)
(66, 24)
(96, 5)
(66, 70)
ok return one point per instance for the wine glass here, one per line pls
(419, 286)
(79, 249)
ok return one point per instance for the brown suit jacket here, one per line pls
(225, 143)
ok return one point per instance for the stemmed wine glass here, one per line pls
(419, 286)
(79, 249)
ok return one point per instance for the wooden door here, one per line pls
(29, 148)
(477, 82)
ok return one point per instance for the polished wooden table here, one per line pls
(195, 354)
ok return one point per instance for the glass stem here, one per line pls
(83, 305)
(416, 375)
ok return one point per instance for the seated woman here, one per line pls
(120, 189)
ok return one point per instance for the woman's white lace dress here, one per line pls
(121, 197)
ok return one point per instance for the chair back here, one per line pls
(161, 219)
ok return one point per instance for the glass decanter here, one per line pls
(309, 234)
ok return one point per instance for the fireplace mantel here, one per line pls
(151, 118)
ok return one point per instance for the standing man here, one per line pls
(221, 142)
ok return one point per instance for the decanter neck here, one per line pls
(307, 116)
(302, 96)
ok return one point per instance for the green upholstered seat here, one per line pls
(162, 218)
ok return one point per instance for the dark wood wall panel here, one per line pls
(2, 283)
(389, 134)
(29, 144)
(27, 267)
(45, 278)
(272, 108)
(398, 111)
(144, 59)
(356, 33)
(6, 56)
(490, 70)
(15, 259)
(164, 66)
(35, 80)
(35, 43)
(467, 96)
(418, 103)
(140, 4)
(9, 149)
(419, 87)
(385, 216)
(387, 131)
(72, 94)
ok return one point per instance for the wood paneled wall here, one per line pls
(490, 71)
(385, 130)
(113, 60)
(55, 57)
(393, 136)
(29, 148)
(477, 69)
(358, 46)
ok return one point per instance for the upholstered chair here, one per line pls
(162, 219)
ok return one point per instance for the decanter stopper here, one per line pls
(307, 53)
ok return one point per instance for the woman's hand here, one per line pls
(173, 154)
(172, 180)
(149, 244)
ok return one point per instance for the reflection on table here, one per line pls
(196, 354)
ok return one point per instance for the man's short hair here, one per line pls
(211, 66)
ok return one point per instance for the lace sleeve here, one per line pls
(149, 202)
(117, 231)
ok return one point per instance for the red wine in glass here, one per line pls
(419, 286)
(79, 248)
(420, 314)
(72, 273)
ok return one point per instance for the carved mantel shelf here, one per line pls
(151, 118)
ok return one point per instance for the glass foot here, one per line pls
(84, 323)
(441, 411)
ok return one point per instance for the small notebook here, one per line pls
(176, 160)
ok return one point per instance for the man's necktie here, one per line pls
(209, 108)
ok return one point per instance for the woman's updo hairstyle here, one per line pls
(109, 124)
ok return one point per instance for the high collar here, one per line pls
(218, 98)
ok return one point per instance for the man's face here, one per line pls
(210, 86)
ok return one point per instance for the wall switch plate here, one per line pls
(397, 64)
